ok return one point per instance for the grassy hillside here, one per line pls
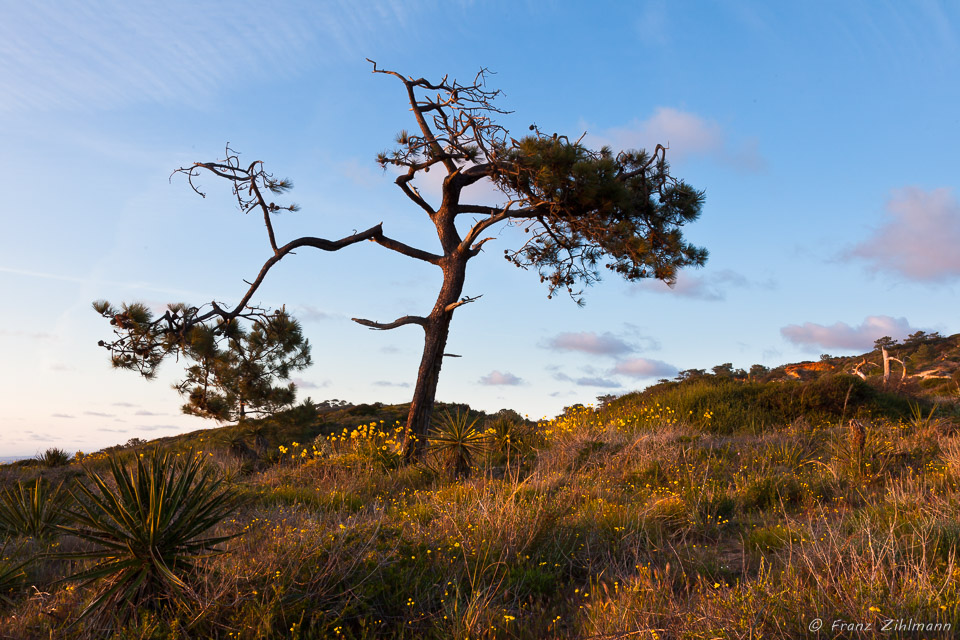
(712, 507)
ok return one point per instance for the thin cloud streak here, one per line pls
(306, 384)
(387, 383)
(711, 287)
(605, 344)
(587, 381)
(95, 282)
(109, 54)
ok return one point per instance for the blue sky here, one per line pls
(824, 135)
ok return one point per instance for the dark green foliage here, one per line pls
(11, 580)
(54, 457)
(625, 211)
(886, 342)
(146, 526)
(235, 367)
(726, 370)
(758, 370)
(31, 511)
(234, 376)
(458, 440)
(147, 344)
(922, 337)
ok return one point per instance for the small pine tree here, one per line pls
(758, 370)
(234, 376)
(886, 342)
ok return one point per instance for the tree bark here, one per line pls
(436, 330)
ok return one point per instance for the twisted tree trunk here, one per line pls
(436, 330)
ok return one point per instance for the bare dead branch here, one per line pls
(477, 247)
(266, 214)
(411, 192)
(464, 300)
(404, 249)
(399, 322)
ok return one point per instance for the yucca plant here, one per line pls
(147, 524)
(11, 578)
(919, 421)
(31, 511)
(457, 439)
(54, 457)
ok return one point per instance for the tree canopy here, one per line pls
(234, 370)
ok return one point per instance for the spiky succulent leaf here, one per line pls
(146, 524)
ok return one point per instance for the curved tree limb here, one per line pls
(411, 192)
(399, 322)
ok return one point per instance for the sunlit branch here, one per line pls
(399, 322)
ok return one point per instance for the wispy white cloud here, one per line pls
(919, 237)
(154, 427)
(497, 378)
(605, 344)
(109, 53)
(387, 383)
(841, 335)
(310, 313)
(307, 384)
(98, 414)
(95, 281)
(653, 23)
(644, 368)
(589, 381)
(686, 134)
(27, 334)
(712, 286)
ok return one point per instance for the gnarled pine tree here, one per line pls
(582, 209)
